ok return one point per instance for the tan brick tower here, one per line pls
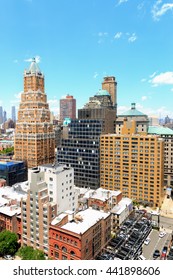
(34, 136)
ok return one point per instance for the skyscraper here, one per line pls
(133, 163)
(4, 116)
(34, 136)
(1, 115)
(80, 147)
(110, 85)
(13, 113)
(67, 107)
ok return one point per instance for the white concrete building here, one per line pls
(60, 182)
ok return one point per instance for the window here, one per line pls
(56, 246)
(50, 179)
(64, 249)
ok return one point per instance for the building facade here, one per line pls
(13, 171)
(1, 115)
(167, 135)
(110, 85)
(80, 144)
(142, 120)
(34, 135)
(134, 164)
(37, 212)
(60, 182)
(13, 113)
(81, 238)
(67, 107)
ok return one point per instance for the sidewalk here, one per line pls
(167, 208)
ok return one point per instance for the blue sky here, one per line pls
(78, 42)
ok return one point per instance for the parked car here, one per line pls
(164, 252)
(162, 234)
(156, 254)
(8, 257)
(141, 257)
(147, 241)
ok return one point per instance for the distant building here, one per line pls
(8, 124)
(4, 116)
(1, 115)
(167, 120)
(153, 121)
(142, 120)
(110, 85)
(67, 107)
(13, 113)
(134, 164)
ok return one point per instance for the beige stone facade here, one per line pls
(134, 164)
(34, 135)
(110, 85)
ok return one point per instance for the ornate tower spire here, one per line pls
(34, 136)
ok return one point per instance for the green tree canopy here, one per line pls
(28, 253)
(8, 243)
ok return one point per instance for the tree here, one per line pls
(28, 253)
(8, 243)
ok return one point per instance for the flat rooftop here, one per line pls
(84, 220)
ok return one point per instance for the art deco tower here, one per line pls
(34, 136)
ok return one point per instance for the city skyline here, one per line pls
(76, 44)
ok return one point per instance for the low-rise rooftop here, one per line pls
(84, 220)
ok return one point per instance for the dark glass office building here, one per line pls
(80, 145)
(13, 171)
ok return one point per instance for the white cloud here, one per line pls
(159, 10)
(152, 75)
(54, 105)
(15, 61)
(102, 36)
(18, 95)
(132, 38)
(163, 79)
(140, 6)
(143, 98)
(118, 35)
(95, 75)
(122, 1)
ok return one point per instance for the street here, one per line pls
(155, 243)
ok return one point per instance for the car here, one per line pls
(8, 257)
(162, 234)
(165, 249)
(156, 254)
(155, 213)
(147, 241)
(141, 257)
